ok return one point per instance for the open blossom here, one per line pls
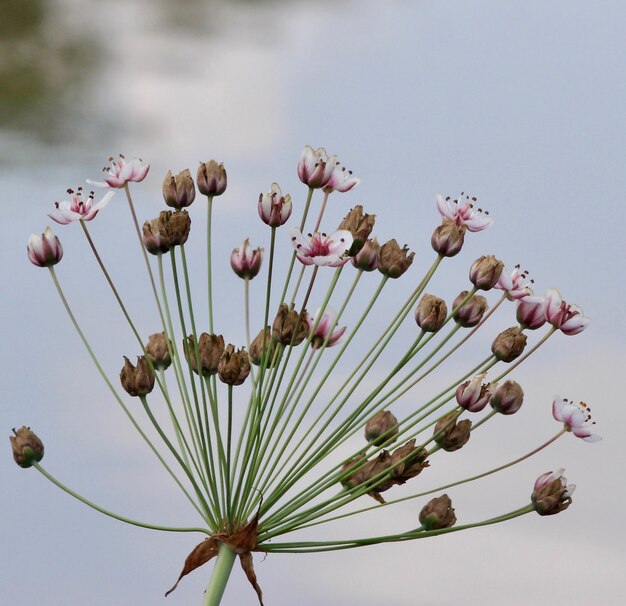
(567, 318)
(325, 329)
(315, 167)
(320, 249)
(462, 212)
(245, 261)
(77, 208)
(515, 284)
(575, 417)
(341, 180)
(44, 250)
(121, 171)
(274, 208)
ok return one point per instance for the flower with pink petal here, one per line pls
(575, 417)
(121, 172)
(341, 180)
(44, 250)
(245, 261)
(325, 329)
(320, 249)
(474, 395)
(567, 318)
(515, 284)
(274, 208)
(77, 208)
(531, 312)
(315, 167)
(551, 493)
(462, 212)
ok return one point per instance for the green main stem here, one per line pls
(221, 573)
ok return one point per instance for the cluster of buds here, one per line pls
(169, 229)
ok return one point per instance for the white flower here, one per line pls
(462, 212)
(78, 209)
(575, 417)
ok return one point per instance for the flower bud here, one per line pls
(485, 272)
(368, 258)
(175, 226)
(44, 250)
(450, 435)
(408, 461)
(234, 366)
(381, 428)
(360, 226)
(447, 239)
(551, 493)
(137, 380)
(531, 312)
(155, 240)
(508, 398)
(27, 447)
(474, 395)
(246, 262)
(471, 312)
(438, 513)
(394, 261)
(289, 327)
(211, 178)
(274, 208)
(210, 350)
(158, 351)
(179, 192)
(509, 344)
(431, 313)
(256, 348)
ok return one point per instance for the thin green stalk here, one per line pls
(223, 567)
(209, 262)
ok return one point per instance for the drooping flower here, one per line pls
(567, 318)
(515, 284)
(575, 417)
(325, 329)
(121, 172)
(274, 208)
(531, 312)
(462, 212)
(551, 493)
(320, 249)
(341, 180)
(245, 261)
(315, 167)
(44, 250)
(77, 208)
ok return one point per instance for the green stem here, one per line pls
(208, 253)
(221, 572)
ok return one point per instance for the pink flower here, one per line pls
(515, 284)
(575, 417)
(325, 328)
(550, 476)
(121, 171)
(341, 180)
(315, 167)
(531, 312)
(462, 212)
(246, 262)
(44, 250)
(78, 209)
(474, 395)
(274, 208)
(320, 249)
(567, 318)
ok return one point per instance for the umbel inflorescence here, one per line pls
(282, 467)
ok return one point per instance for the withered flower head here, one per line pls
(451, 435)
(179, 191)
(408, 461)
(508, 398)
(551, 493)
(438, 513)
(470, 313)
(27, 447)
(289, 327)
(360, 225)
(158, 351)
(368, 258)
(210, 350)
(447, 239)
(394, 261)
(256, 348)
(431, 313)
(211, 178)
(234, 366)
(137, 380)
(175, 226)
(381, 428)
(355, 475)
(485, 272)
(509, 344)
(155, 240)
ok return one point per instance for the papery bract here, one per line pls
(575, 417)
(77, 208)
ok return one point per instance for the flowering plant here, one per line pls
(281, 466)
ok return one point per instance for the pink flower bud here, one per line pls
(531, 312)
(274, 208)
(508, 398)
(567, 318)
(474, 395)
(368, 258)
(470, 313)
(485, 272)
(315, 168)
(246, 262)
(44, 250)
(447, 239)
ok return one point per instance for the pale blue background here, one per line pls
(521, 103)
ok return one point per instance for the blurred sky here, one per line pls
(520, 103)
